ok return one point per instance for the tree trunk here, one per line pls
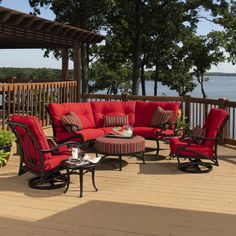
(136, 67)
(143, 80)
(138, 43)
(200, 79)
(155, 81)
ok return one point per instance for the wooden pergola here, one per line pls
(26, 31)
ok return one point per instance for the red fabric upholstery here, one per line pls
(113, 108)
(82, 110)
(55, 161)
(35, 126)
(81, 135)
(145, 110)
(177, 143)
(93, 117)
(31, 151)
(213, 124)
(90, 134)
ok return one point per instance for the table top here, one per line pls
(77, 164)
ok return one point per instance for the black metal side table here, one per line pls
(79, 168)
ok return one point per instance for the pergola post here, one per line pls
(77, 69)
(64, 66)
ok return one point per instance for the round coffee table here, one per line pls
(113, 146)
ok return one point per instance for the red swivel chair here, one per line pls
(201, 156)
(38, 155)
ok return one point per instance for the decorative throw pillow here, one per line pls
(199, 132)
(112, 121)
(71, 122)
(161, 116)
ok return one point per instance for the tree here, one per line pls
(204, 51)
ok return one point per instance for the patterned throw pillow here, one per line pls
(200, 132)
(112, 121)
(71, 122)
(161, 116)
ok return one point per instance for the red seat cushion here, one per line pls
(81, 135)
(54, 162)
(176, 143)
(145, 110)
(113, 108)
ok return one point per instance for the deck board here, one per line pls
(151, 199)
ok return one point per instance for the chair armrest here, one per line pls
(61, 145)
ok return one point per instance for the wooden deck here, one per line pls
(151, 199)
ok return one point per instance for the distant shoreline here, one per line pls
(219, 74)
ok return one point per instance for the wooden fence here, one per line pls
(31, 98)
(194, 109)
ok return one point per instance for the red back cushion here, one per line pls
(82, 110)
(36, 128)
(215, 120)
(112, 109)
(145, 110)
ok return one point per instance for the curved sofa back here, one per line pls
(113, 108)
(145, 110)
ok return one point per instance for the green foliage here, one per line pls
(6, 138)
(32, 73)
(3, 157)
(181, 123)
(114, 79)
(146, 34)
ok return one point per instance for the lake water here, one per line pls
(216, 87)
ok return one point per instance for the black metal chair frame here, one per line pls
(165, 126)
(44, 179)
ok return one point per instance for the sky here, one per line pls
(34, 57)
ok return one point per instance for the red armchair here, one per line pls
(201, 155)
(38, 155)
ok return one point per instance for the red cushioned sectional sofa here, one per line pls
(91, 115)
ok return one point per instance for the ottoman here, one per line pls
(111, 146)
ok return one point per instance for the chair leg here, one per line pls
(158, 146)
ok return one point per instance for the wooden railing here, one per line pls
(194, 109)
(31, 98)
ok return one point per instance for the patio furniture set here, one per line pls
(77, 123)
